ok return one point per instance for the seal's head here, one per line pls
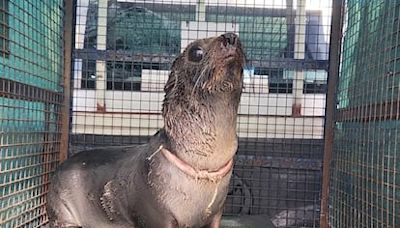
(202, 97)
(207, 67)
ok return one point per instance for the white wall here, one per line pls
(147, 124)
(154, 80)
(139, 113)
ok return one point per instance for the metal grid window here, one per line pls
(30, 108)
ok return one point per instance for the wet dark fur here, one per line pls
(136, 186)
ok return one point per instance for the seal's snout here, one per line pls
(229, 39)
(230, 46)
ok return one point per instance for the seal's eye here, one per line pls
(196, 54)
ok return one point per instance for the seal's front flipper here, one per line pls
(216, 220)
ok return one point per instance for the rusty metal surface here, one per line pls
(389, 110)
(66, 112)
(17, 90)
(333, 75)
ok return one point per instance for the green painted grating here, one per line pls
(31, 67)
(34, 43)
(365, 178)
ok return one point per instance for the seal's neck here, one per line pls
(212, 175)
(203, 134)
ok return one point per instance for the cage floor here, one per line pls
(240, 222)
(247, 221)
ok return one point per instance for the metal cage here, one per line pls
(121, 58)
(82, 74)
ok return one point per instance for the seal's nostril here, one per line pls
(229, 38)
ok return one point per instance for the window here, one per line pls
(124, 76)
(315, 87)
(315, 81)
(278, 82)
(280, 86)
(4, 36)
(120, 75)
(88, 74)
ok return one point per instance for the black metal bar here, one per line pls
(290, 16)
(292, 64)
(233, 10)
(68, 40)
(17, 90)
(333, 75)
(160, 7)
(220, 9)
(370, 112)
(165, 58)
(279, 162)
(48, 145)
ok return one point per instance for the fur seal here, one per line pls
(181, 177)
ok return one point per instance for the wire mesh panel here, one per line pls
(30, 102)
(365, 178)
(123, 52)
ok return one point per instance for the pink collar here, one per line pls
(197, 174)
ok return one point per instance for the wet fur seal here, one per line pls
(181, 177)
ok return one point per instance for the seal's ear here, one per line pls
(172, 78)
(171, 82)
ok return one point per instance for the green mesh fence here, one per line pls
(365, 184)
(136, 28)
(30, 102)
(262, 46)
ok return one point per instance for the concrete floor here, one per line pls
(239, 222)
(247, 221)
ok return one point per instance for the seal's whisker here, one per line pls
(201, 75)
(152, 155)
(207, 70)
(195, 85)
